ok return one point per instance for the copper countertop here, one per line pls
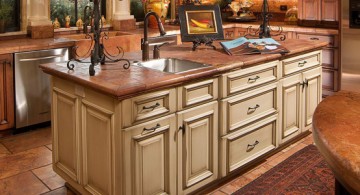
(28, 44)
(113, 80)
(336, 132)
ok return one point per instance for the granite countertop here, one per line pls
(121, 83)
(336, 131)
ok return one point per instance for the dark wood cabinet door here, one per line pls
(6, 92)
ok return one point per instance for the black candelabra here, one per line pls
(97, 51)
(265, 30)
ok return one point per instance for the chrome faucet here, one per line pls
(145, 42)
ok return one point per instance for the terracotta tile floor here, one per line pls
(25, 165)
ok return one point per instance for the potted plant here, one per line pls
(5, 11)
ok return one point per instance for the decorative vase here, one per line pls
(67, 21)
(235, 7)
(160, 8)
(56, 23)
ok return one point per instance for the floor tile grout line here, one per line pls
(41, 180)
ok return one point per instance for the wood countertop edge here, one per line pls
(346, 172)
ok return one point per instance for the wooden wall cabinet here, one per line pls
(318, 13)
(6, 92)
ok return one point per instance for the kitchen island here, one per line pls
(143, 131)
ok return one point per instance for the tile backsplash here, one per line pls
(274, 5)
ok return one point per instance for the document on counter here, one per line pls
(244, 46)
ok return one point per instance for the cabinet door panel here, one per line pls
(329, 10)
(6, 92)
(197, 147)
(310, 10)
(312, 95)
(150, 157)
(291, 95)
(66, 133)
(97, 139)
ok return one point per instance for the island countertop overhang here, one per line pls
(112, 79)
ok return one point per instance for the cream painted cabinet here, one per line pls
(83, 124)
(249, 116)
(197, 147)
(150, 157)
(301, 93)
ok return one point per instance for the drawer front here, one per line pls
(330, 58)
(241, 148)
(301, 62)
(197, 93)
(330, 39)
(243, 109)
(148, 106)
(330, 79)
(238, 81)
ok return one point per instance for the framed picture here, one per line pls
(200, 23)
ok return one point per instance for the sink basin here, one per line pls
(172, 65)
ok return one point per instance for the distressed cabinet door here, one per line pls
(291, 107)
(309, 9)
(312, 95)
(197, 143)
(6, 92)
(150, 157)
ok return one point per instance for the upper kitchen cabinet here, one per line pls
(6, 92)
(318, 13)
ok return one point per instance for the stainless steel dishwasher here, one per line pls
(32, 86)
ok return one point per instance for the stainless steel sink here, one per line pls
(172, 65)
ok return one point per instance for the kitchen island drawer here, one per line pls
(197, 93)
(148, 106)
(244, 79)
(240, 148)
(330, 39)
(301, 62)
(243, 109)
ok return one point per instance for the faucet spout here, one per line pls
(87, 20)
(145, 42)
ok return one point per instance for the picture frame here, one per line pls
(200, 24)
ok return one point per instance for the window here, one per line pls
(7, 8)
(74, 8)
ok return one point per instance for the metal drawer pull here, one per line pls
(152, 129)
(252, 80)
(304, 84)
(314, 38)
(301, 64)
(151, 107)
(251, 146)
(253, 109)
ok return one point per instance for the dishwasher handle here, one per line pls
(40, 58)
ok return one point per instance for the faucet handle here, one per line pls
(156, 52)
